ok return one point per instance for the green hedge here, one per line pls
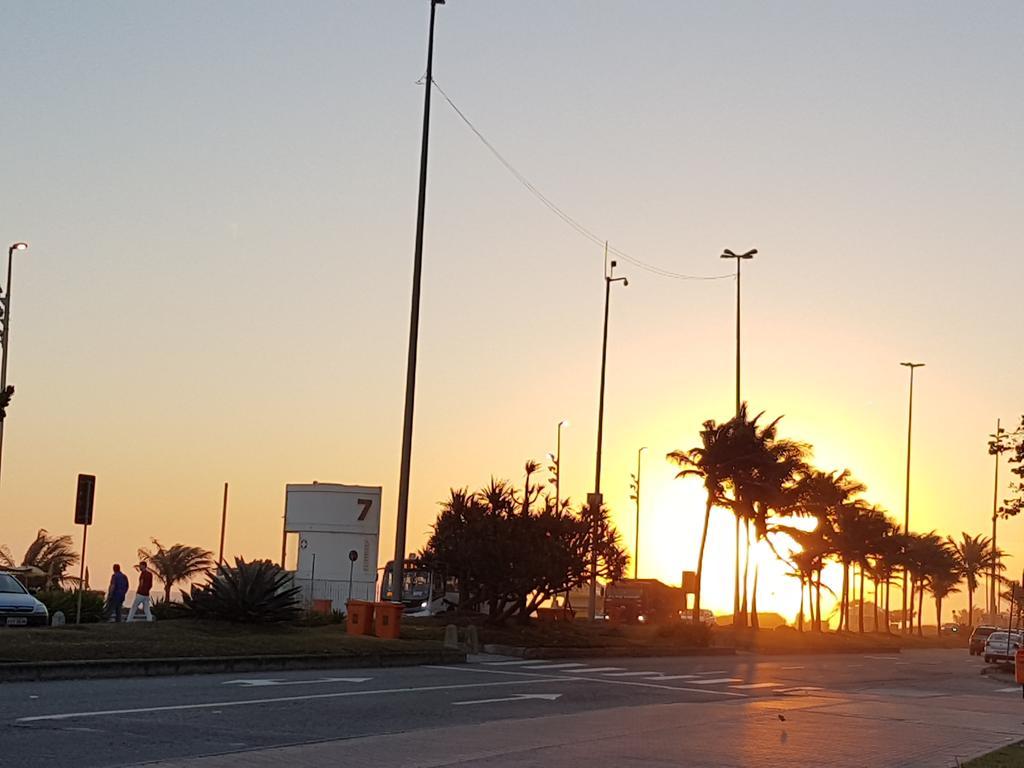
(67, 601)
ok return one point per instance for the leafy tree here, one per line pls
(257, 592)
(974, 556)
(5, 400)
(53, 555)
(511, 556)
(176, 564)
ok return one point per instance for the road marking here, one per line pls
(1015, 689)
(517, 697)
(552, 666)
(671, 677)
(717, 680)
(798, 689)
(603, 680)
(276, 700)
(263, 682)
(594, 670)
(714, 672)
(755, 685)
(885, 658)
(509, 663)
(798, 666)
(631, 674)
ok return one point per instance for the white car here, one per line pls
(1002, 646)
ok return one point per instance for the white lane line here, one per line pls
(513, 697)
(263, 682)
(798, 688)
(277, 699)
(797, 666)
(886, 658)
(1015, 689)
(717, 680)
(755, 685)
(509, 663)
(672, 677)
(648, 673)
(604, 680)
(552, 666)
(714, 672)
(594, 670)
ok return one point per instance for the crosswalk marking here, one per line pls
(672, 677)
(553, 666)
(756, 685)
(630, 674)
(595, 670)
(716, 680)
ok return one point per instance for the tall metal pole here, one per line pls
(595, 499)
(5, 340)
(739, 257)
(414, 324)
(993, 602)
(558, 466)
(636, 543)
(906, 500)
(223, 524)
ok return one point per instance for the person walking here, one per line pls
(141, 599)
(116, 593)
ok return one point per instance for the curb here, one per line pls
(38, 671)
(601, 652)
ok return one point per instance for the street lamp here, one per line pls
(6, 338)
(740, 258)
(996, 446)
(414, 324)
(906, 501)
(595, 500)
(636, 498)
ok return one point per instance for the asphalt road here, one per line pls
(101, 723)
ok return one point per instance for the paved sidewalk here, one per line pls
(841, 731)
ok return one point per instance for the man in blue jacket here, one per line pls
(116, 593)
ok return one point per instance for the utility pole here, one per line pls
(996, 447)
(740, 258)
(636, 498)
(414, 323)
(906, 501)
(223, 525)
(595, 500)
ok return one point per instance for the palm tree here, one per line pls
(710, 462)
(177, 564)
(5, 557)
(975, 556)
(51, 554)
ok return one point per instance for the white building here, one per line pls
(337, 530)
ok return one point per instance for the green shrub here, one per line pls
(259, 592)
(66, 600)
(168, 610)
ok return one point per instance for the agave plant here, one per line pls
(258, 592)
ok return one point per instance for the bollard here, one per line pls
(451, 636)
(473, 639)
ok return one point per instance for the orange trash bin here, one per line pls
(360, 617)
(388, 624)
(322, 606)
(1018, 665)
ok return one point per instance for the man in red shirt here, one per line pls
(141, 599)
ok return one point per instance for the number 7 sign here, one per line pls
(367, 505)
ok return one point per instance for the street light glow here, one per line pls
(18, 246)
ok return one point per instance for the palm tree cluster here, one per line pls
(176, 564)
(811, 518)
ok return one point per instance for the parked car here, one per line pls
(18, 608)
(978, 638)
(1001, 646)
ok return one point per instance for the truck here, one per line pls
(644, 601)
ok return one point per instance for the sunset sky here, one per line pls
(221, 200)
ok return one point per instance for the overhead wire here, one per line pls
(548, 203)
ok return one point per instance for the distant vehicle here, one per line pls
(18, 608)
(426, 590)
(949, 628)
(1001, 646)
(706, 616)
(643, 601)
(978, 638)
